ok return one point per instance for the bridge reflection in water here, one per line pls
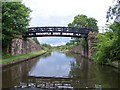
(55, 83)
(47, 83)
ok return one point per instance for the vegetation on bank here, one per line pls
(11, 58)
(47, 47)
(68, 46)
(15, 21)
(108, 44)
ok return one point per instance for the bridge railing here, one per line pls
(59, 29)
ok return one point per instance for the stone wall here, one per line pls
(91, 43)
(77, 49)
(87, 51)
(22, 46)
(80, 50)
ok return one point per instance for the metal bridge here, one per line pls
(57, 31)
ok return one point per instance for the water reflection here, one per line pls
(59, 70)
(13, 75)
(56, 65)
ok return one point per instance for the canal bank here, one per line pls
(77, 50)
(114, 64)
(10, 60)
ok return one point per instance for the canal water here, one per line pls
(58, 70)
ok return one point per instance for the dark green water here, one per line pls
(59, 70)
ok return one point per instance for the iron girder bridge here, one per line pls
(57, 31)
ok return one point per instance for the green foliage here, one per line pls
(15, 19)
(102, 45)
(114, 10)
(108, 45)
(69, 45)
(35, 39)
(83, 42)
(84, 21)
(116, 43)
(46, 46)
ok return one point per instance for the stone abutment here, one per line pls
(23, 46)
(87, 46)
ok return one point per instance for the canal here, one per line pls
(58, 70)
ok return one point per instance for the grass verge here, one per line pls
(10, 58)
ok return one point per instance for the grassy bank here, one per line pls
(9, 58)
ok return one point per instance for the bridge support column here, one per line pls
(91, 43)
(25, 45)
(86, 51)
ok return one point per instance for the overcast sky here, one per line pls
(62, 12)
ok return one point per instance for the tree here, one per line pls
(108, 45)
(114, 11)
(15, 20)
(84, 21)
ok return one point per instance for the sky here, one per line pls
(62, 12)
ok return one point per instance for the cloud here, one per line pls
(45, 12)
(58, 67)
(50, 21)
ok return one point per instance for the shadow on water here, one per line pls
(57, 70)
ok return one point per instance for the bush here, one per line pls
(108, 46)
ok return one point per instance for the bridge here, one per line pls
(57, 31)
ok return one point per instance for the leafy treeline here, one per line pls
(68, 46)
(108, 45)
(46, 46)
(84, 21)
(15, 20)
